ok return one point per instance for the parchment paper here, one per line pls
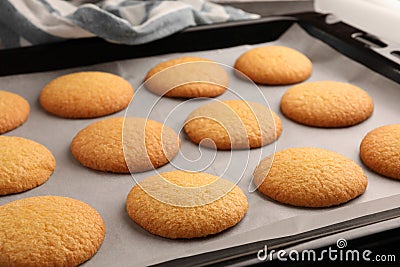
(127, 244)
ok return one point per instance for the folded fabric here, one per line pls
(32, 22)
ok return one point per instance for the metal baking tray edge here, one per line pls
(69, 53)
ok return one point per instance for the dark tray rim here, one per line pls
(90, 51)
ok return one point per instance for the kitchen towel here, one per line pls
(33, 22)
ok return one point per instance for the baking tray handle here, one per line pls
(354, 43)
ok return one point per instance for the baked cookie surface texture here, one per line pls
(182, 204)
(233, 124)
(124, 145)
(49, 231)
(380, 150)
(86, 95)
(327, 104)
(24, 164)
(14, 111)
(274, 65)
(187, 77)
(310, 177)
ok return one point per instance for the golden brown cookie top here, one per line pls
(49, 231)
(14, 111)
(147, 144)
(187, 77)
(274, 65)
(327, 104)
(86, 95)
(24, 163)
(310, 177)
(380, 150)
(233, 124)
(182, 204)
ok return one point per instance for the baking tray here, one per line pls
(335, 54)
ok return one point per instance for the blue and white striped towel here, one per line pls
(32, 22)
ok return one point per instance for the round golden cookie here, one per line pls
(274, 65)
(181, 204)
(24, 163)
(327, 104)
(310, 177)
(187, 77)
(86, 95)
(124, 145)
(49, 231)
(14, 111)
(380, 150)
(233, 124)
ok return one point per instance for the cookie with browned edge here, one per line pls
(86, 95)
(49, 231)
(183, 204)
(380, 150)
(187, 77)
(274, 65)
(233, 124)
(24, 163)
(327, 104)
(310, 177)
(124, 145)
(14, 111)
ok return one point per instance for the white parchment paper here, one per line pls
(127, 244)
